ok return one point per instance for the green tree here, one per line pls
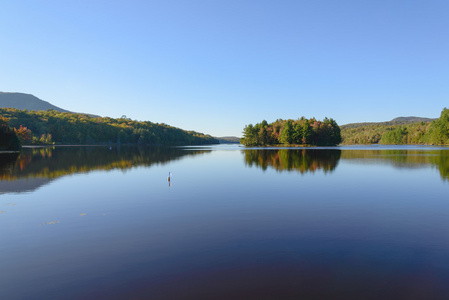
(306, 130)
(396, 136)
(439, 129)
(287, 133)
(249, 136)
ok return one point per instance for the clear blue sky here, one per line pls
(214, 66)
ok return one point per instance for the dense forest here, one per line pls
(53, 127)
(434, 132)
(292, 132)
(381, 134)
(8, 138)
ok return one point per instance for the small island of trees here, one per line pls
(304, 132)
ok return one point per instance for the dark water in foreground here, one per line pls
(345, 223)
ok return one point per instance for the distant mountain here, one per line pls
(411, 119)
(395, 121)
(26, 101)
(228, 140)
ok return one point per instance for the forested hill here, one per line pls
(26, 101)
(228, 140)
(53, 127)
(403, 130)
(395, 121)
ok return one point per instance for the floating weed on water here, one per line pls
(12, 204)
(50, 223)
(83, 214)
(2, 211)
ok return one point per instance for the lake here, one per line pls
(367, 222)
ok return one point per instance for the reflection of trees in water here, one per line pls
(7, 161)
(53, 162)
(441, 162)
(305, 160)
(404, 158)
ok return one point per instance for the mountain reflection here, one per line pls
(303, 161)
(53, 162)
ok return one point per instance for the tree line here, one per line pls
(426, 133)
(292, 132)
(53, 127)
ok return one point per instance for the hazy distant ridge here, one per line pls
(395, 121)
(228, 140)
(26, 101)
(411, 119)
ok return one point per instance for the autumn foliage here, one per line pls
(293, 132)
(53, 127)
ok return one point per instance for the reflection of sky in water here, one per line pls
(223, 229)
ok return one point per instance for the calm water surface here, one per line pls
(232, 223)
